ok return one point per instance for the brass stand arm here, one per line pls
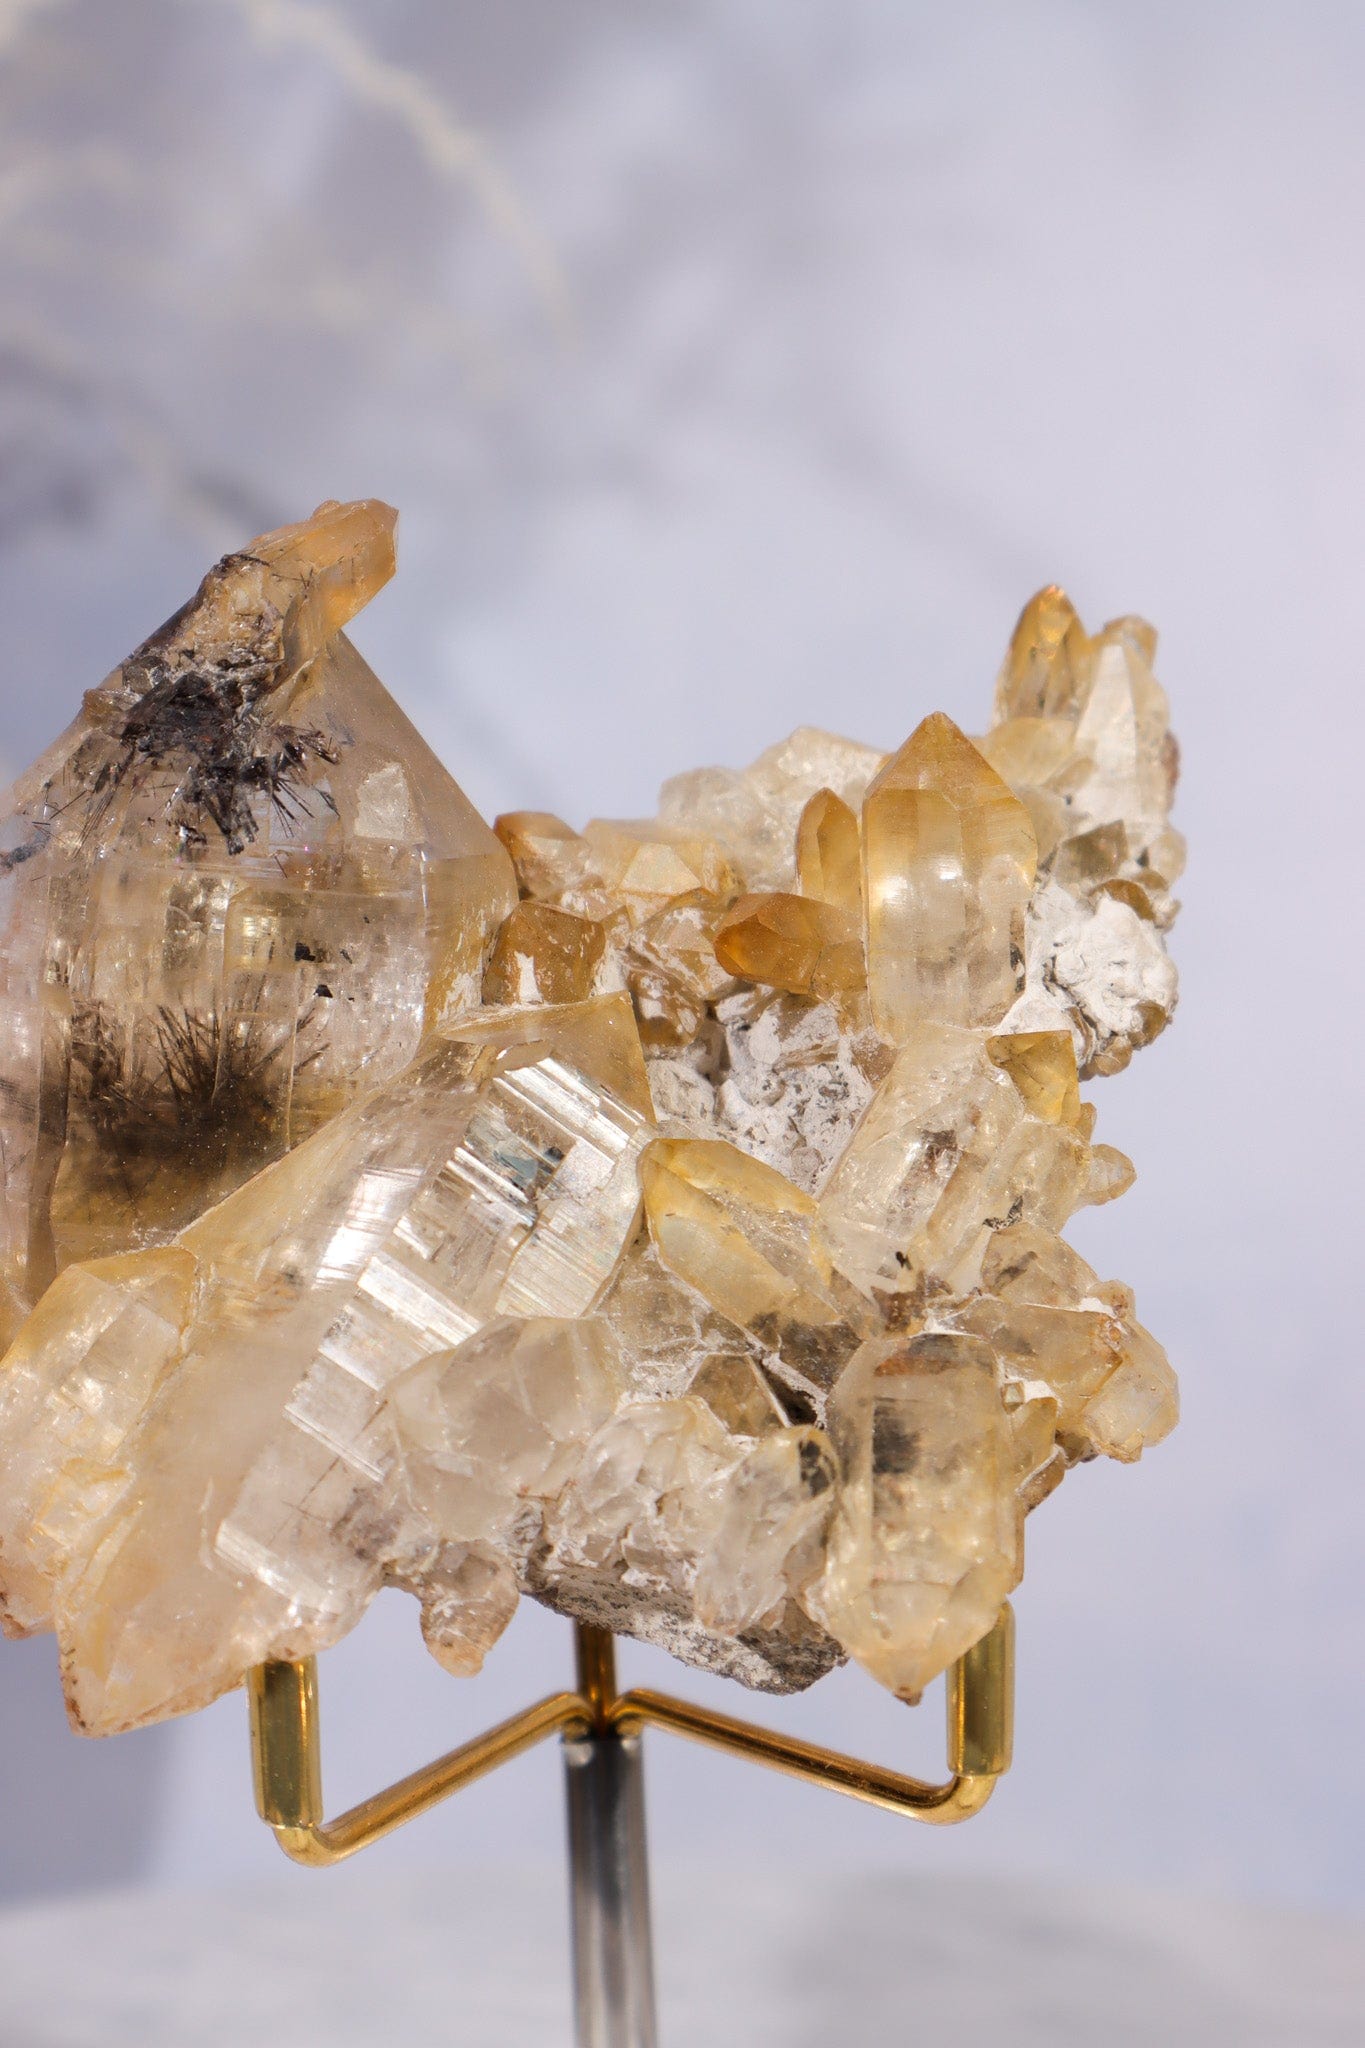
(980, 1739)
(287, 1754)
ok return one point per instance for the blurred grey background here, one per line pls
(738, 364)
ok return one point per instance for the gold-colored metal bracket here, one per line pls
(980, 1739)
(287, 1754)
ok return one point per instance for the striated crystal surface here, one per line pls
(497, 1177)
(233, 896)
(662, 1219)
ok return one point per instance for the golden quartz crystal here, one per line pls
(744, 1237)
(949, 858)
(662, 1219)
(927, 1539)
(829, 861)
(799, 943)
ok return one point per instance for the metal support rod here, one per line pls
(613, 1953)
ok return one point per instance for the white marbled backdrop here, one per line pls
(737, 364)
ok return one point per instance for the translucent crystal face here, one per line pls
(662, 1219)
(233, 897)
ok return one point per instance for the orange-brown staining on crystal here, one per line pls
(552, 861)
(544, 955)
(949, 856)
(754, 812)
(263, 613)
(668, 962)
(1084, 720)
(320, 573)
(797, 943)
(1042, 1066)
(1081, 733)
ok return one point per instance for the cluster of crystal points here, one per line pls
(662, 1219)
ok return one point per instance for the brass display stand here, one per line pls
(601, 1730)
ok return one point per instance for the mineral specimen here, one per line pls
(662, 1219)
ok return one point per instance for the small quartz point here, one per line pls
(646, 867)
(554, 864)
(662, 1219)
(829, 860)
(1044, 669)
(1051, 1319)
(949, 855)
(670, 965)
(545, 955)
(754, 812)
(486, 1437)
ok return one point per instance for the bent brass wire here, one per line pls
(287, 1751)
(980, 1739)
(287, 1754)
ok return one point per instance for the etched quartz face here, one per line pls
(663, 1219)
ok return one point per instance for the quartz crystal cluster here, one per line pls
(663, 1218)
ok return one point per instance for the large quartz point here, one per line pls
(232, 897)
(495, 1178)
(662, 1219)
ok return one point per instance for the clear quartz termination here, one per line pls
(663, 1219)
